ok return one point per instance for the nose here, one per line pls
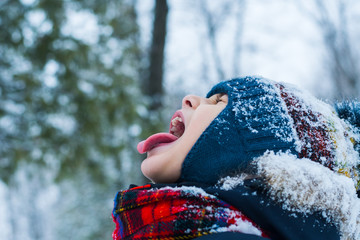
(191, 101)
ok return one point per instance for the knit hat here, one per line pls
(262, 115)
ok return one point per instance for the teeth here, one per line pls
(176, 127)
(175, 121)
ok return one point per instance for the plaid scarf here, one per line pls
(175, 213)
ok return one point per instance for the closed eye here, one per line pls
(221, 97)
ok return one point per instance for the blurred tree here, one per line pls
(64, 95)
(215, 17)
(69, 102)
(213, 21)
(333, 19)
(153, 83)
(153, 79)
(238, 36)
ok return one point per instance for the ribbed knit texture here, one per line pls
(350, 111)
(262, 115)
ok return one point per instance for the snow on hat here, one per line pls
(262, 115)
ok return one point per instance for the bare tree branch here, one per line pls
(239, 16)
(212, 28)
(342, 61)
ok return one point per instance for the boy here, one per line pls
(254, 159)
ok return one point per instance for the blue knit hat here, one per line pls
(263, 115)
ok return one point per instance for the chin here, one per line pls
(145, 168)
(150, 169)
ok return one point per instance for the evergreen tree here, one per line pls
(69, 105)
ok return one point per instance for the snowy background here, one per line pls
(277, 39)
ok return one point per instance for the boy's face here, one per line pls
(164, 162)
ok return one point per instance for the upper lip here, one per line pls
(179, 114)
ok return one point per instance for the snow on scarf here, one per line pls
(304, 186)
(175, 213)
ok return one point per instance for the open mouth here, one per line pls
(177, 126)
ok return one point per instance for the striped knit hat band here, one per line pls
(322, 136)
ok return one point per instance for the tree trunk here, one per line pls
(153, 85)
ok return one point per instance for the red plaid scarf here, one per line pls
(175, 213)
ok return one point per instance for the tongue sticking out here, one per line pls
(154, 140)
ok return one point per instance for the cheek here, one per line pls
(202, 119)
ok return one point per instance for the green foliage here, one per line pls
(67, 101)
(69, 106)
